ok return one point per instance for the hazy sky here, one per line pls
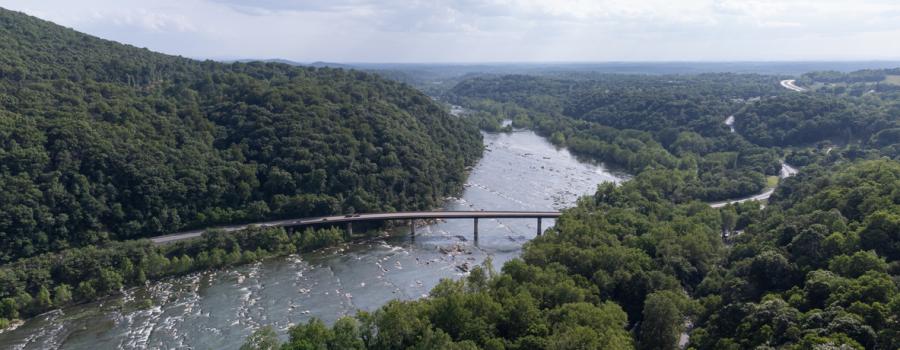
(490, 30)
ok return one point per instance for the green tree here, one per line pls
(263, 338)
(313, 335)
(882, 234)
(86, 290)
(346, 335)
(43, 301)
(857, 264)
(662, 322)
(8, 308)
(62, 294)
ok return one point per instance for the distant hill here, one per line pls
(317, 64)
(270, 60)
(330, 65)
(104, 141)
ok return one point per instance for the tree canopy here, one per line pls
(817, 267)
(101, 141)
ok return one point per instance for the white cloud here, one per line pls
(491, 30)
(145, 19)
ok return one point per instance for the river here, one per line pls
(219, 309)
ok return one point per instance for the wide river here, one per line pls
(219, 309)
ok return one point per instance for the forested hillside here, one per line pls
(102, 141)
(797, 120)
(859, 108)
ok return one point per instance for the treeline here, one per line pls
(639, 123)
(883, 82)
(41, 283)
(628, 268)
(101, 141)
(800, 119)
(865, 75)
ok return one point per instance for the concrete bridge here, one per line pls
(349, 219)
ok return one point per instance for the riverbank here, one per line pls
(218, 309)
(85, 275)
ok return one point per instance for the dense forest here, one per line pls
(860, 76)
(643, 264)
(805, 119)
(858, 110)
(856, 83)
(820, 266)
(101, 141)
(627, 267)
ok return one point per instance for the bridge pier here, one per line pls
(412, 227)
(539, 227)
(476, 229)
(349, 230)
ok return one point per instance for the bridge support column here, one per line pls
(539, 227)
(412, 227)
(476, 229)
(349, 230)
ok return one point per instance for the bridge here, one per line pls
(349, 219)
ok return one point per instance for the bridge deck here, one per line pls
(415, 215)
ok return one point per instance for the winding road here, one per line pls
(791, 85)
(786, 171)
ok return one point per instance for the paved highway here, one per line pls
(415, 215)
(790, 84)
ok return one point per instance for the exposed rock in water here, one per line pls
(455, 249)
(464, 267)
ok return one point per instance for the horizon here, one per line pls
(475, 63)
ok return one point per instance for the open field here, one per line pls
(892, 79)
(771, 181)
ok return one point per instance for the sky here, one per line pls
(468, 31)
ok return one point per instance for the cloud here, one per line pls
(270, 6)
(145, 20)
(490, 30)
(150, 19)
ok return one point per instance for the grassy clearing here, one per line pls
(892, 79)
(772, 181)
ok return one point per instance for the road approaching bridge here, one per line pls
(349, 219)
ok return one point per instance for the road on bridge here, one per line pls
(415, 215)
